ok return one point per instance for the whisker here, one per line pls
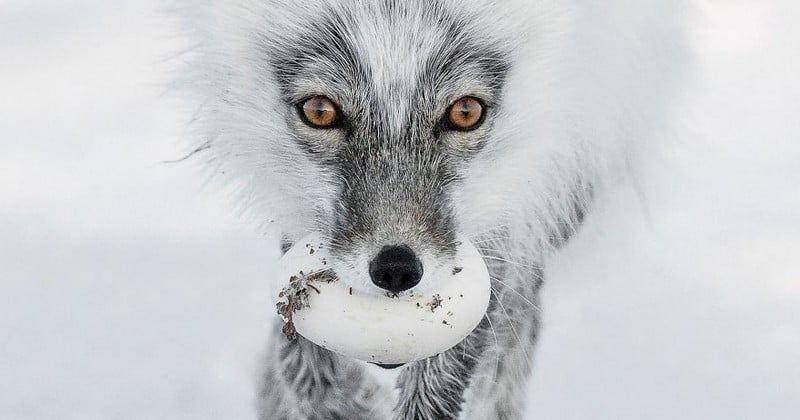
(518, 264)
(513, 330)
(492, 239)
(507, 287)
(496, 349)
(496, 228)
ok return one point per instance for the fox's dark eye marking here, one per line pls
(465, 114)
(319, 112)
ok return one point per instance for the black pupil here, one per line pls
(465, 111)
(321, 109)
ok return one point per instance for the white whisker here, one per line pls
(496, 349)
(507, 287)
(513, 330)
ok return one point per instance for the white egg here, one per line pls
(376, 327)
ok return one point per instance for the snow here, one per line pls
(130, 291)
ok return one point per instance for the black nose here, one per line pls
(395, 269)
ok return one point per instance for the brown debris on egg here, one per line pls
(435, 302)
(294, 297)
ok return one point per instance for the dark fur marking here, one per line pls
(324, 43)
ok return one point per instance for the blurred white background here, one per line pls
(130, 291)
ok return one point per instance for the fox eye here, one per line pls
(319, 112)
(465, 114)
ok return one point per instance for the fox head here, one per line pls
(400, 129)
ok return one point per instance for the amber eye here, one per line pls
(319, 112)
(465, 114)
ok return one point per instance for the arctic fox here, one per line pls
(400, 125)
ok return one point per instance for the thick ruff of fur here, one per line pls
(574, 88)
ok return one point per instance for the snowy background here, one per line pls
(130, 291)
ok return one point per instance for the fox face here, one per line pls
(393, 134)
(407, 126)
